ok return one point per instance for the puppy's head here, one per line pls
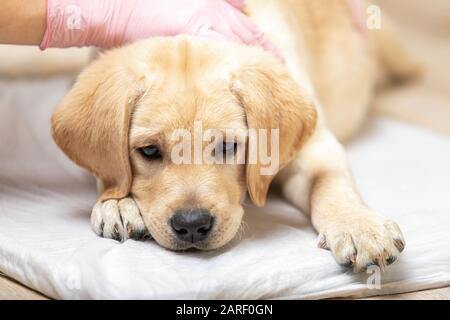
(176, 124)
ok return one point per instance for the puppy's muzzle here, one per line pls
(192, 225)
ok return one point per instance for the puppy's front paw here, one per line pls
(119, 220)
(363, 240)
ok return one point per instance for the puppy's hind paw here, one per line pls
(119, 220)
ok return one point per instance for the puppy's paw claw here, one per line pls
(349, 261)
(399, 244)
(391, 260)
(116, 233)
(322, 242)
(137, 234)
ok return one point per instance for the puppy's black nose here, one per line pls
(192, 225)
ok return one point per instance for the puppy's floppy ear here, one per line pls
(273, 100)
(91, 124)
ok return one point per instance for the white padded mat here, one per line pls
(46, 241)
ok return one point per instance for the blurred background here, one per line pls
(424, 27)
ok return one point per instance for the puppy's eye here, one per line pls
(229, 147)
(150, 152)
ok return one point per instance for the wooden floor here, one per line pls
(12, 290)
(435, 294)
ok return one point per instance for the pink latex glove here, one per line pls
(111, 23)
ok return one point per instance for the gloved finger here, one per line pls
(238, 4)
(249, 33)
(269, 46)
(211, 33)
(239, 29)
(224, 24)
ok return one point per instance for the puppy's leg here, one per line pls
(319, 182)
(118, 219)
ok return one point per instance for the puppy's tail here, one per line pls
(16, 61)
(396, 61)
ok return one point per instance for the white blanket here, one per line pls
(47, 244)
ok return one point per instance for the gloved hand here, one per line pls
(111, 23)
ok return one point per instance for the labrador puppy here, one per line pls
(119, 119)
